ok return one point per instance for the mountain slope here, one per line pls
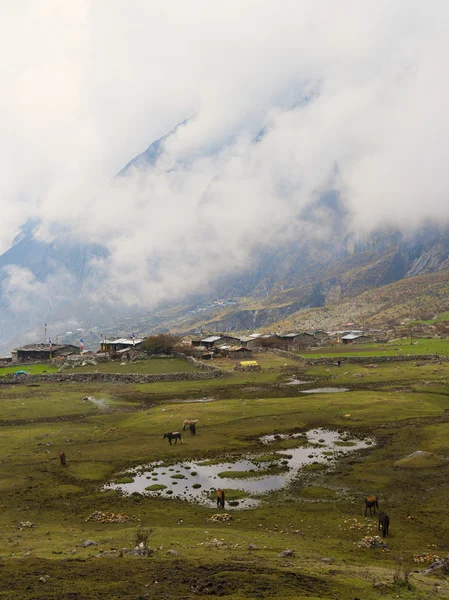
(291, 281)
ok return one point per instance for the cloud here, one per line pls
(350, 97)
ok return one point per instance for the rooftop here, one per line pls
(128, 341)
(42, 347)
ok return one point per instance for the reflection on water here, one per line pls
(325, 390)
(321, 446)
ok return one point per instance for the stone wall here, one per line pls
(285, 353)
(198, 363)
(362, 360)
(107, 378)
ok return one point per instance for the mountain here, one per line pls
(328, 273)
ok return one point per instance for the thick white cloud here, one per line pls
(352, 95)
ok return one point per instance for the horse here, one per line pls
(188, 422)
(174, 435)
(371, 502)
(220, 498)
(62, 459)
(192, 428)
(384, 522)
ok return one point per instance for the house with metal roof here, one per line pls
(113, 346)
(354, 337)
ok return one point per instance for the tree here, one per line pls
(160, 344)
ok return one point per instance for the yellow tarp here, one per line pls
(249, 363)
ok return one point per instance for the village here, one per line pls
(227, 345)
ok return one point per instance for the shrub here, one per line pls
(162, 343)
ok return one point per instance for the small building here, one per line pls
(113, 346)
(293, 340)
(214, 341)
(235, 352)
(359, 338)
(40, 352)
(250, 342)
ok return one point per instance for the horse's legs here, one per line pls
(169, 441)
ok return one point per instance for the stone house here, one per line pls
(40, 352)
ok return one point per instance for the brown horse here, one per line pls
(62, 458)
(371, 502)
(384, 522)
(220, 498)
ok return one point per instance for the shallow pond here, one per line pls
(296, 382)
(325, 390)
(254, 475)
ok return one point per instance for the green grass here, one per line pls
(37, 369)
(150, 366)
(395, 348)
(313, 516)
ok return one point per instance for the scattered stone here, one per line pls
(252, 547)
(141, 550)
(425, 558)
(102, 517)
(88, 543)
(286, 553)
(372, 542)
(171, 551)
(329, 560)
(24, 524)
(220, 517)
(42, 579)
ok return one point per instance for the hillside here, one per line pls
(319, 274)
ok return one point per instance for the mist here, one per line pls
(280, 102)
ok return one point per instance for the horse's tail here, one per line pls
(377, 503)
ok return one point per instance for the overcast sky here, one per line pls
(352, 95)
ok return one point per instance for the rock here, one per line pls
(172, 552)
(286, 553)
(140, 550)
(329, 560)
(88, 543)
(42, 579)
(252, 547)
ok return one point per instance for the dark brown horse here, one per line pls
(174, 435)
(62, 458)
(384, 522)
(372, 503)
(220, 498)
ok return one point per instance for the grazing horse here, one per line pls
(174, 435)
(371, 502)
(384, 522)
(192, 428)
(220, 498)
(62, 459)
(188, 422)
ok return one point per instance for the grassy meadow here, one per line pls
(393, 348)
(403, 407)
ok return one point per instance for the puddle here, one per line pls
(325, 390)
(195, 480)
(192, 400)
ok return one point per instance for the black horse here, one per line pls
(220, 498)
(174, 435)
(371, 502)
(384, 522)
(192, 428)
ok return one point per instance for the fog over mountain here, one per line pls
(290, 135)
